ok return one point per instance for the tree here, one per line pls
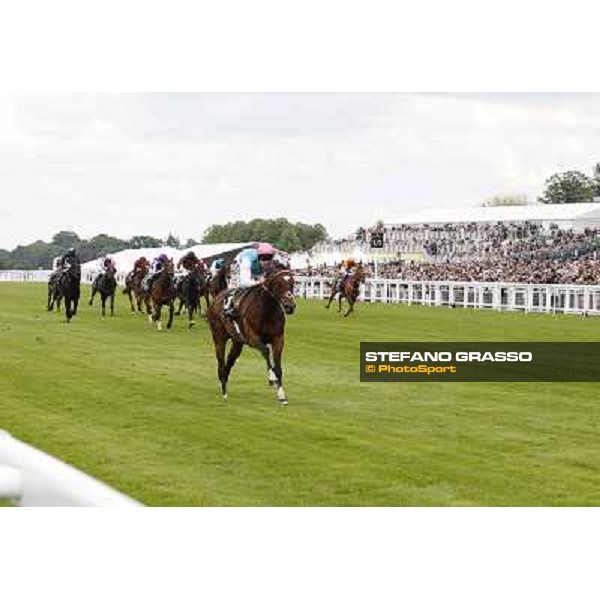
(508, 200)
(564, 188)
(172, 241)
(596, 175)
(66, 239)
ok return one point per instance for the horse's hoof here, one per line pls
(283, 402)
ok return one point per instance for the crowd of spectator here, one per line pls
(512, 252)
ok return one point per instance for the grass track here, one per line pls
(141, 410)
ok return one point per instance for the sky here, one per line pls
(154, 164)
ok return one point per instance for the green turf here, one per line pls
(141, 410)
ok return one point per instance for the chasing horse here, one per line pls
(254, 315)
(161, 289)
(105, 284)
(134, 285)
(68, 284)
(220, 271)
(53, 291)
(192, 287)
(348, 285)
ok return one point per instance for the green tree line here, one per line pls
(287, 236)
(39, 255)
(290, 237)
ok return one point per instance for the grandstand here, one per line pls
(529, 244)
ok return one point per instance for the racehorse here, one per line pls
(53, 291)
(134, 284)
(350, 290)
(260, 323)
(69, 287)
(105, 285)
(190, 289)
(220, 281)
(162, 293)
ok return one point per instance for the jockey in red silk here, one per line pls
(141, 265)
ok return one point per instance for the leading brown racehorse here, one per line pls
(260, 323)
(350, 289)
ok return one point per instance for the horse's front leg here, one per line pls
(103, 298)
(171, 311)
(156, 316)
(94, 290)
(277, 346)
(112, 305)
(340, 303)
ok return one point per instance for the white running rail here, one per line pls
(30, 477)
(527, 297)
(548, 298)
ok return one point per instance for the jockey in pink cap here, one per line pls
(252, 263)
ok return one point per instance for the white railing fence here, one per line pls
(30, 477)
(41, 276)
(548, 298)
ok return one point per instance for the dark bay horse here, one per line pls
(162, 293)
(134, 287)
(350, 290)
(105, 285)
(190, 289)
(53, 291)
(260, 323)
(220, 281)
(69, 286)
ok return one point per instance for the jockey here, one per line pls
(253, 263)
(190, 262)
(216, 265)
(141, 265)
(346, 269)
(68, 258)
(157, 266)
(106, 263)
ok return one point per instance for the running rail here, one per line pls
(30, 477)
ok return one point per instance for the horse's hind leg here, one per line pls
(220, 340)
(330, 299)
(234, 352)
(350, 308)
(92, 297)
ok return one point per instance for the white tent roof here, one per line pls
(583, 211)
(124, 260)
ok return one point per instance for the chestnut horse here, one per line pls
(105, 285)
(162, 293)
(259, 323)
(134, 286)
(350, 289)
